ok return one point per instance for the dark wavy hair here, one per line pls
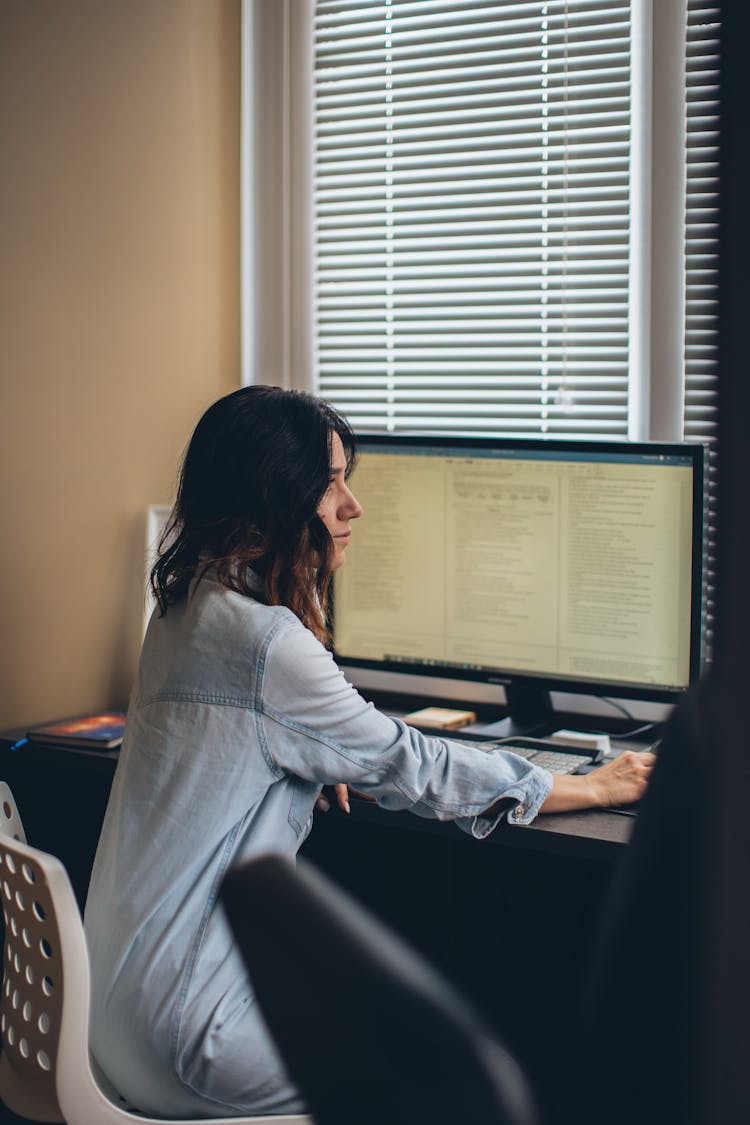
(254, 473)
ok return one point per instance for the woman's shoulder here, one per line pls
(270, 640)
(214, 643)
(216, 606)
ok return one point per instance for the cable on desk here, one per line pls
(617, 706)
(636, 730)
(628, 715)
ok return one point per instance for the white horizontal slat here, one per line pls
(558, 349)
(508, 407)
(543, 422)
(469, 367)
(448, 91)
(339, 325)
(424, 83)
(441, 379)
(477, 357)
(327, 10)
(456, 224)
(512, 273)
(518, 167)
(519, 53)
(582, 245)
(556, 188)
(490, 204)
(487, 286)
(517, 59)
(408, 294)
(469, 26)
(353, 323)
(430, 22)
(525, 377)
(462, 110)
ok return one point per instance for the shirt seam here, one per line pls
(258, 1093)
(196, 947)
(177, 696)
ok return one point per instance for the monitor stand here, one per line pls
(529, 712)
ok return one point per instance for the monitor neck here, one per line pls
(529, 709)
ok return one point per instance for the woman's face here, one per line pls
(339, 505)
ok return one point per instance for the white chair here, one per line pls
(45, 1069)
(10, 818)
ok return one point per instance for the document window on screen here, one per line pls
(557, 561)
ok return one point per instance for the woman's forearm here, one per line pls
(569, 793)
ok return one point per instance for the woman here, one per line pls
(238, 717)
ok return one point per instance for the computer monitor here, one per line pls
(538, 564)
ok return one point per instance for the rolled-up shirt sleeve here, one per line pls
(316, 726)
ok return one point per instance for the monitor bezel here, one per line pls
(545, 682)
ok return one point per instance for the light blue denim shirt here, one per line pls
(239, 716)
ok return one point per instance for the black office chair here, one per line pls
(369, 1032)
(646, 1032)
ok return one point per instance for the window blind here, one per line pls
(472, 214)
(702, 263)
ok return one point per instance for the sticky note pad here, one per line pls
(443, 718)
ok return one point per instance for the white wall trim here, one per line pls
(657, 267)
(247, 244)
(639, 357)
(668, 266)
(277, 193)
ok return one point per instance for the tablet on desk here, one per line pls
(103, 730)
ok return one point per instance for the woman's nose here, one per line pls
(354, 508)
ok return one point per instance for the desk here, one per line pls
(62, 794)
(488, 912)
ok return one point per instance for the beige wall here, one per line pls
(119, 311)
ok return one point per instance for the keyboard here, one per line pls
(548, 755)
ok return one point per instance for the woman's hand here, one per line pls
(624, 779)
(619, 782)
(342, 796)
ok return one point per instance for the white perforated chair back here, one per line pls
(45, 1070)
(32, 992)
(10, 818)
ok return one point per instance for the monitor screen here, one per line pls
(569, 565)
